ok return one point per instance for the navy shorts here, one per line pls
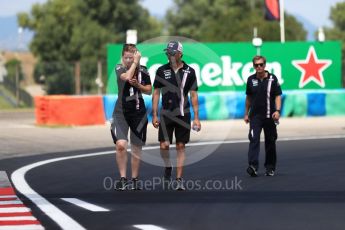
(135, 122)
(179, 124)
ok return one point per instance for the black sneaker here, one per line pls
(136, 184)
(179, 184)
(167, 173)
(269, 172)
(251, 170)
(121, 184)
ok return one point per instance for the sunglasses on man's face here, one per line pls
(170, 52)
(259, 65)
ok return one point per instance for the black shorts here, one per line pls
(179, 124)
(137, 123)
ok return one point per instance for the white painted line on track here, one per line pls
(279, 139)
(15, 209)
(310, 138)
(86, 205)
(148, 227)
(8, 196)
(65, 221)
(17, 218)
(22, 227)
(10, 202)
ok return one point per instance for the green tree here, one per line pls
(227, 20)
(67, 31)
(13, 68)
(337, 32)
(58, 77)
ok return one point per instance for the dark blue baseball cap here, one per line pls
(173, 47)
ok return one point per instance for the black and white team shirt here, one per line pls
(175, 87)
(262, 93)
(129, 97)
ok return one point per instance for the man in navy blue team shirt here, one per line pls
(262, 111)
(175, 80)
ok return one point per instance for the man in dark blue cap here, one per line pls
(175, 80)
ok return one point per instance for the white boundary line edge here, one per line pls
(85, 205)
(148, 227)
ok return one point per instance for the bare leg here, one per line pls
(135, 160)
(121, 157)
(164, 150)
(180, 148)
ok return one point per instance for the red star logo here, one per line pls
(311, 69)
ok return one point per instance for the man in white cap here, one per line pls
(175, 80)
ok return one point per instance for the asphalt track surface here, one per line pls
(307, 192)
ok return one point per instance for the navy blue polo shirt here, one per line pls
(173, 85)
(262, 93)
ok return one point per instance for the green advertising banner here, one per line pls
(226, 66)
